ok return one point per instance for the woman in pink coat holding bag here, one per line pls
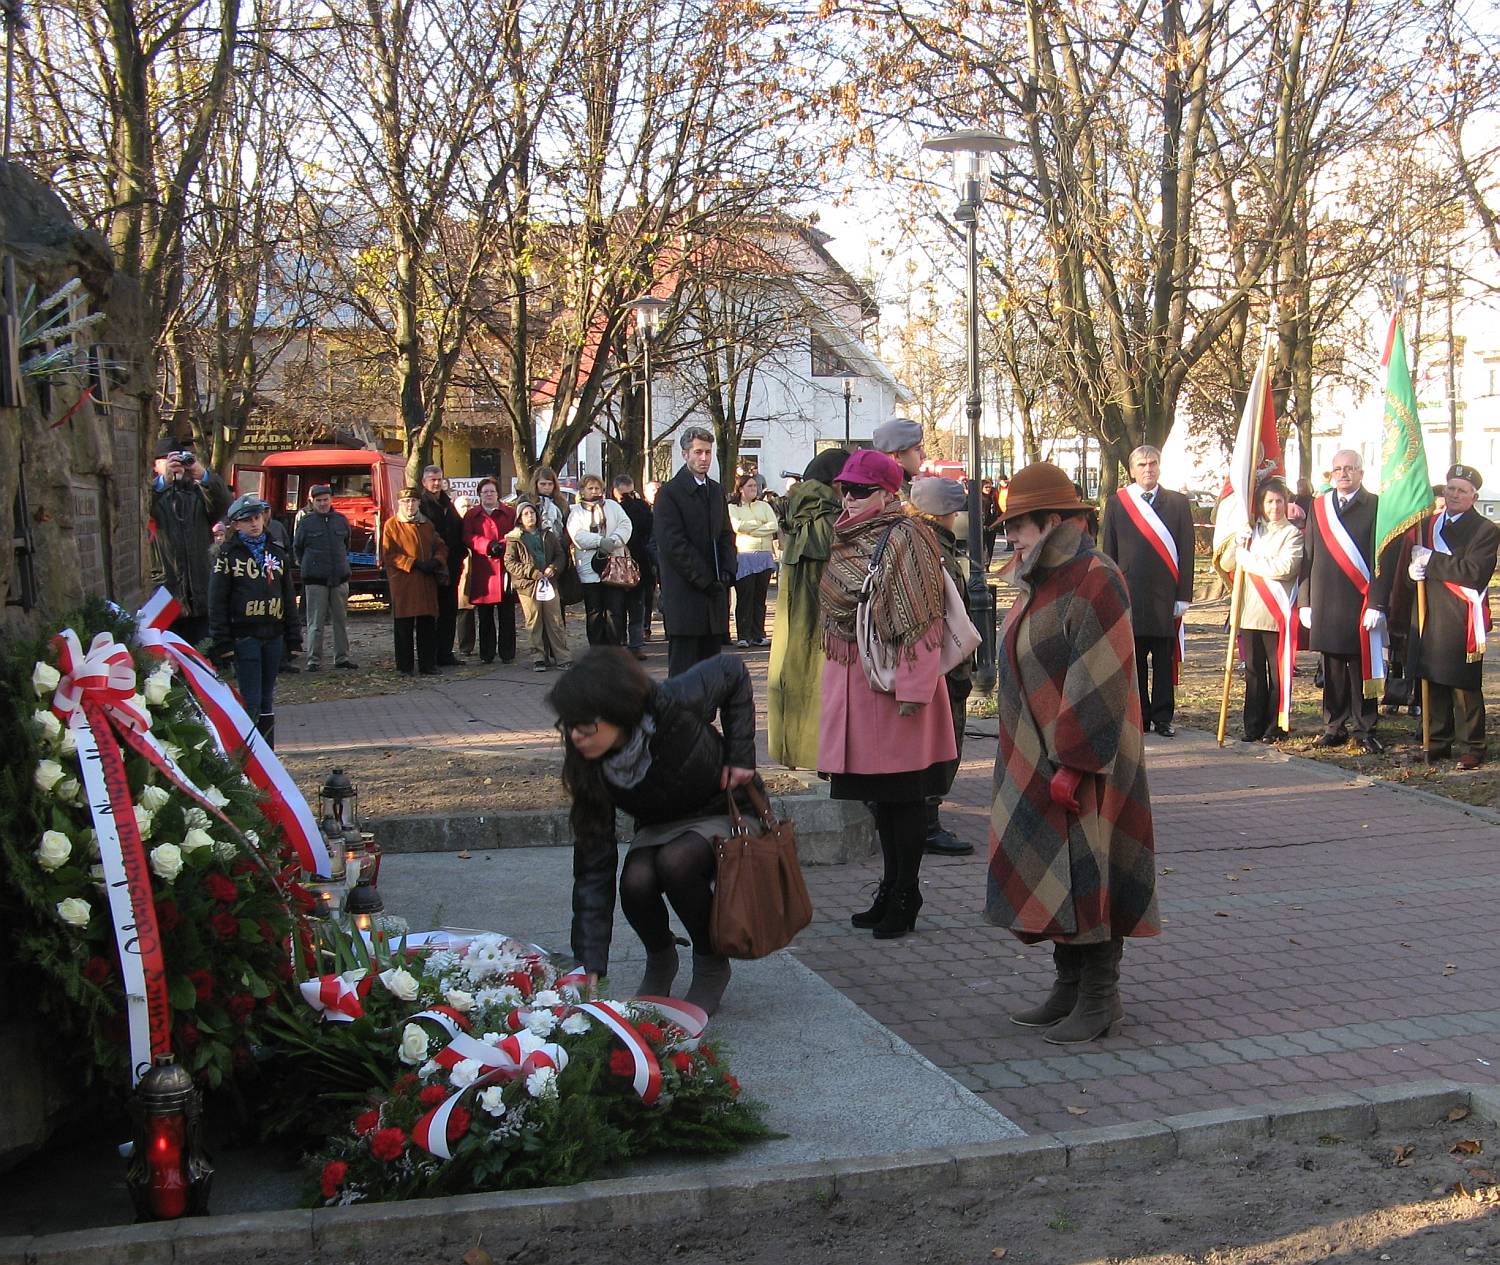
(885, 749)
(485, 529)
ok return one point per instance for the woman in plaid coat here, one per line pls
(1072, 852)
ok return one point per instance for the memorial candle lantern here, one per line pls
(169, 1174)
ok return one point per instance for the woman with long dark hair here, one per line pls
(650, 750)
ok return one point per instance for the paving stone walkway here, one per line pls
(1320, 933)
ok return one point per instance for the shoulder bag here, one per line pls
(760, 899)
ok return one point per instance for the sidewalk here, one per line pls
(1320, 933)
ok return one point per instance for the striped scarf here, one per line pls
(907, 596)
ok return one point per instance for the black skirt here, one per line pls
(913, 787)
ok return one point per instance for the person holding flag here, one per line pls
(1270, 557)
(1148, 534)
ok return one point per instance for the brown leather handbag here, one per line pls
(760, 898)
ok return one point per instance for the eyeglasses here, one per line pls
(588, 728)
(857, 491)
(1345, 469)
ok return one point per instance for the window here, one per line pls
(825, 361)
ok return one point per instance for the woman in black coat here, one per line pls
(651, 751)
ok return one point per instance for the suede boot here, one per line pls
(1068, 959)
(1098, 1007)
(661, 970)
(900, 913)
(871, 917)
(710, 979)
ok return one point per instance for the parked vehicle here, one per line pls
(364, 483)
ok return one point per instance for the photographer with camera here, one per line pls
(186, 501)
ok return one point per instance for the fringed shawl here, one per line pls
(907, 596)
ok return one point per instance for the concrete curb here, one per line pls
(829, 831)
(425, 1226)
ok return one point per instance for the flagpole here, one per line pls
(1237, 596)
(1426, 710)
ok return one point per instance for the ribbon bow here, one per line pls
(338, 998)
(104, 678)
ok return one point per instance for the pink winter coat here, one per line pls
(486, 583)
(863, 731)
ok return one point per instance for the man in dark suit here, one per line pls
(1148, 533)
(696, 556)
(1344, 616)
(1455, 554)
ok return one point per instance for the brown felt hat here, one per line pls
(1041, 486)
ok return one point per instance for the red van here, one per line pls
(364, 482)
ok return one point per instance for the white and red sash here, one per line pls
(1352, 563)
(1280, 600)
(1478, 603)
(1149, 523)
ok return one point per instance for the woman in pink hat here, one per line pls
(886, 749)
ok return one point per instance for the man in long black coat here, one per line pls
(696, 555)
(1457, 546)
(437, 508)
(1158, 574)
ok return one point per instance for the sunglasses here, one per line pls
(588, 728)
(858, 491)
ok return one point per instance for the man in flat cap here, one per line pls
(1454, 554)
(938, 503)
(902, 439)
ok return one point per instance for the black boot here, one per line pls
(710, 979)
(266, 723)
(872, 916)
(1068, 959)
(900, 913)
(1098, 1008)
(661, 970)
(940, 842)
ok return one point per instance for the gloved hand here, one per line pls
(1064, 788)
(714, 591)
(425, 565)
(1304, 616)
(910, 709)
(221, 654)
(1244, 538)
(496, 549)
(1420, 556)
(1373, 619)
(1242, 559)
(1179, 609)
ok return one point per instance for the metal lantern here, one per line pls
(363, 905)
(169, 1174)
(339, 799)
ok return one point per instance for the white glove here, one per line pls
(1179, 609)
(1244, 538)
(1304, 616)
(1373, 620)
(1242, 559)
(1420, 555)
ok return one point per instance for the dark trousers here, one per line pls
(1450, 705)
(447, 617)
(683, 652)
(750, 606)
(497, 629)
(1153, 658)
(637, 614)
(255, 665)
(466, 631)
(1345, 706)
(1262, 681)
(604, 614)
(422, 628)
(648, 599)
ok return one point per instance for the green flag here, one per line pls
(1405, 489)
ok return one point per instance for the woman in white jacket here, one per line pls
(1270, 556)
(599, 528)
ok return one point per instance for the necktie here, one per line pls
(1344, 504)
(1151, 499)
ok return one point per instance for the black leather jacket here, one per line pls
(687, 757)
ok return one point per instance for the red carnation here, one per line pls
(268, 932)
(188, 1036)
(225, 925)
(367, 1123)
(388, 1144)
(334, 1173)
(220, 888)
(522, 981)
(732, 1084)
(167, 916)
(650, 1032)
(240, 1006)
(243, 866)
(682, 1062)
(97, 970)
(306, 901)
(432, 1095)
(458, 1124)
(708, 1054)
(203, 983)
(620, 1063)
(404, 1082)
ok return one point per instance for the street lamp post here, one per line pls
(971, 149)
(848, 396)
(648, 313)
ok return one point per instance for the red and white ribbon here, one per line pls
(233, 731)
(1149, 523)
(338, 998)
(1357, 571)
(1477, 616)
(1281, 601)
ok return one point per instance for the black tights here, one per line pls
(903, 834)
(682, 870)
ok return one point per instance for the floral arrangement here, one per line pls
(220, 905)
(499, 1071)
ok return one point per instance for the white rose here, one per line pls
(96, 872)
(547, 997)
(465, 1073)
(401, 983)
(216, 797)
(460, 1001)
(54, 850)
(413, 1045)
(48, 727)
(575, 1025)
(195, 817)
(225, 851)
(174, 752)
(542, 1083)
(541, 1022)
(252, 838)
(138, 701)
(69, 790)
(493, 1101)
(74, 912)
(158, 686)
(430, 1068)
(68, 744)
(154, 798)
(195, 839)
(166, 861)
(48, 774)
(44, 679)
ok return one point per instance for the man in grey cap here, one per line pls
(902, 438)
(938, 503)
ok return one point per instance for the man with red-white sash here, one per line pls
(1148, 534)
(1454, 552)
(1345, 618)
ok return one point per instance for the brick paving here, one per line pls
(1320, 932)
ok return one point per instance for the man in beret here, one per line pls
(1455, 555)
(938, 503)
(902, 439)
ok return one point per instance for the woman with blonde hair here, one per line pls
(600, 530)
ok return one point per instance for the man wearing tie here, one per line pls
(1455, 554)
(1148, 533)
(1346, 625)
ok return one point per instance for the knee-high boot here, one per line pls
(1098, 1007)
(1068, 961)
